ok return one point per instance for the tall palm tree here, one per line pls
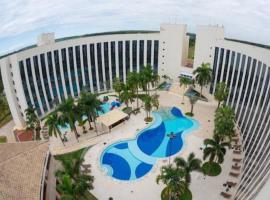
(224, 122)
(189, 165)
(126, 95)
(155, 80)
(133, 80)
(192, 101)
(221, 92)
(69, 113)
(33, 122)
(117, 86)
(203, 75)
(185, 82)
(146, 77)
(89, 104)
(215, 149)
(52, 122)
(149, 103)
(174, 180)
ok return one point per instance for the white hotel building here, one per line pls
(44, 74)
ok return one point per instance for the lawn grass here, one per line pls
(211, 169)
(5, 120)
(3, 139)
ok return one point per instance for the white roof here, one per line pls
(111, 117)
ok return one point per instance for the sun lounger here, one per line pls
(236, 167)
(225, 195)
(232, 184)
(237, 152)
(86, 166)
(234, 174)
(237, 159)
(86, 170)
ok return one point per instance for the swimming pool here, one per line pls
(133, 159)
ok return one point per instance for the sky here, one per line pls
(21, 21)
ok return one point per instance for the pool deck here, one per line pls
(146, 187)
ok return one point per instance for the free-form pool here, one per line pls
(132, 159)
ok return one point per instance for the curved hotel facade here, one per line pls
(46, 74)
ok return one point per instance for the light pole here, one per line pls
(171, 137)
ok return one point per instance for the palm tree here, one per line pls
(117, 86)
(69, 114)
(174, 180)
(126, 95)
(215, 149)
(52, 122)
(189, 165)
(224, 122)
(33, 122)
(221, 93)
(74, 189)
(185, 82)
(192, 101)
(155, 80)
(147, 77)
(149, 103)
(133, 80)
(203, 75)
(89, 104)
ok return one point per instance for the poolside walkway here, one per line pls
(146, 188)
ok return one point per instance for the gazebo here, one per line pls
(112, 118)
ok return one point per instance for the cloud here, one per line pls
(22, 20)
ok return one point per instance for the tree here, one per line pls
(185, 82)
(149, 103)
(146, 77)
(189, 165)
(89, 104)
(192, 101)
(224, 122)
(221, 93)
(52, 122)
(117, 86)
(203, 75)
(133, 81)
(155, 80)
(174, 180)
(33, 122)
(73, 183)
(69, 114)
(126, 95)
(215, 149)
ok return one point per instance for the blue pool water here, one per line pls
(132, 159)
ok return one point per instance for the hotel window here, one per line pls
(58, 74)
(106, 64)
(149, 50)
(65, 69)
(39, 84)
(45, 79)
(85, 67)
(134, 55)
(24, 84)
(93, 66)
(113, 60)
(99, 64)
(141, 59)
(72, 71)
(120, 59)
(78, 64)
(52, 78)
(156, 47)
(32, 87)
(127, 56)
